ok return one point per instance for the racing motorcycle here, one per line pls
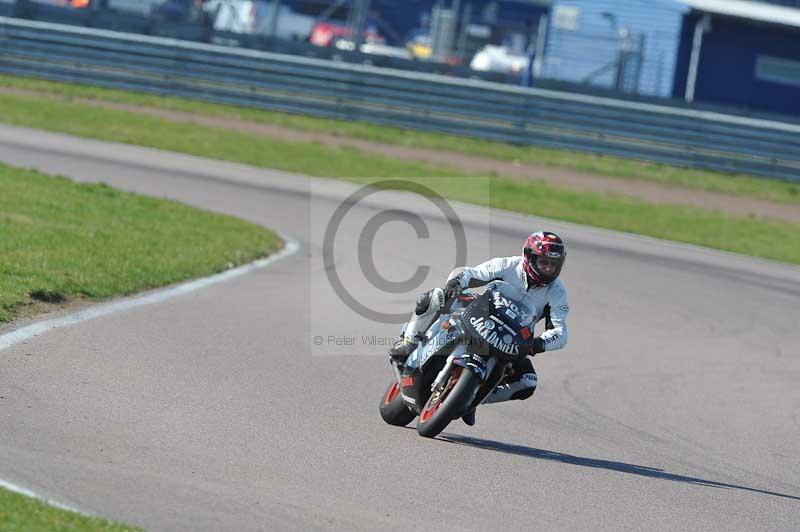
(464, 355)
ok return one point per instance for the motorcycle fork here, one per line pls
(397, 374)
(441, 378)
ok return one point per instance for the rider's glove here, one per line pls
(452, 288)
(537, 347)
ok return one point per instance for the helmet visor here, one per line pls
(548, 266)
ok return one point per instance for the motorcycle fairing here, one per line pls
(436, 339)
(425, 362)
(472, 362)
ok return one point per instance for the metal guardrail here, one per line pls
(538, 117)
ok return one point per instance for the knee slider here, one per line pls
(423, 303)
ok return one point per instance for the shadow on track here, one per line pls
(541, 454)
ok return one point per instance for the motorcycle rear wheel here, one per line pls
(453, 402)
(393, 410)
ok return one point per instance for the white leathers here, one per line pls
(551, 298)
(506, 391)
(419, 324)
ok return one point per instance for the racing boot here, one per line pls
(469, 417)
(401, 349)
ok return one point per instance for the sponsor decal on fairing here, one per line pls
(492, 337)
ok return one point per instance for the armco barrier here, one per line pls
(661, 133)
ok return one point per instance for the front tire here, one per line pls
(393, 410)
(453, 402)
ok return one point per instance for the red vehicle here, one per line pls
(324, 33)
(327, 33)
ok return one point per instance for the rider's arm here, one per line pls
(491, 270)
(555, 335)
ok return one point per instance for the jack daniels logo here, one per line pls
(489, 332)
(501, 323)
(497, 338)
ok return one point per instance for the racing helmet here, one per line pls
(543, 256)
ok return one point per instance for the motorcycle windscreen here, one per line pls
(500, 322)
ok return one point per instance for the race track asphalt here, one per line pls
(675, 406)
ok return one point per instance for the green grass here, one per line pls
(24, 514)
(121, 126)
(685, 224)
(739, 185)
(61, 240)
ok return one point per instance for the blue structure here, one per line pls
(627, 45)
(746, 55)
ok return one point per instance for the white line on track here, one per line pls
(104, 309)
(28, 493)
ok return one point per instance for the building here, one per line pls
(625, 45)
(740, 53)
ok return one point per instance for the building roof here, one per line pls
(788, 16)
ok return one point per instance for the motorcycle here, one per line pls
(464, 355)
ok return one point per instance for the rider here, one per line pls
(536, 273)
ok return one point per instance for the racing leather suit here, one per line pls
(550, 303)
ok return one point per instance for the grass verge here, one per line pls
(25, 514)
(61, 240)
(738, 185)
(684, 224)
(670, 222)
(133, 128)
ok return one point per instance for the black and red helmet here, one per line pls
(543, 256)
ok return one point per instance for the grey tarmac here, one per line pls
(674, 406)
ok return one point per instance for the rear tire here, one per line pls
(434, 418)
(393, 410)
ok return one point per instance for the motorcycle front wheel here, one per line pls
(451, 402)
(393, 410)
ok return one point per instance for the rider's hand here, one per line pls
(537, 347)
(452, 288)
